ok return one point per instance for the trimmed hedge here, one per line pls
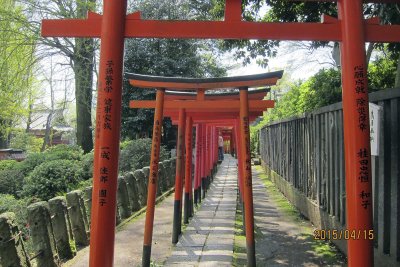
(52, 178)
(136, 155)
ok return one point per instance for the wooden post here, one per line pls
(203, 160)
(152, 184)
(356, 135)
(107, 134)
(247, 179)
(188, 169)
(177, 219)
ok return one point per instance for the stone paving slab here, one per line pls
(212, 226)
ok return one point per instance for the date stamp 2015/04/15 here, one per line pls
(344, 234)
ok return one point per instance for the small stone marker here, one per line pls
(133, 192)
(59, 219)
(12, 252)
(124, 208)
(42, 236)
(77, 217)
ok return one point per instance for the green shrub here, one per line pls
(136, 155)
(63, 152)
(87, 166)
(7, 164)
(83, 184)
(19, 207)
(30, 163)
(52, 153)
(11, 181)
(52, 178)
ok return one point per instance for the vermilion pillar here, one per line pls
(107, 135)
(197, 172)
(153, 176)
(177, 221)
(203, 160)
(209, 157)
(247, 179)
(356, 135)
(188, 170)
(238, 139)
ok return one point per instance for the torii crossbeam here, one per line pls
(350, 28)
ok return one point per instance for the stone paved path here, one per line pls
(208, 239)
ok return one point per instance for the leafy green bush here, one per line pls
(19, 207)
(254, 140)
(52, 153)
(11, 181)
(136, 155)
(7, 164)
(63, 152)
(52, 178)
(30, 163)
(87, 166)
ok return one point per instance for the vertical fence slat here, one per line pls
(384, 184)
(308, 152)
(394, 174)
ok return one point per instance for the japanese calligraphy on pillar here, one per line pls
(247, 180)
(105, 154)
(156, 145)
(108, 88)
(362, 103)
(363, 155)
(106, 106)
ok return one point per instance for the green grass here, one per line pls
(239, 246)
(278, 198)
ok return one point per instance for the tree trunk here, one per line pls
(46, 140)
(83, 68)
(29, 120)
(369, 52)
(4, 140)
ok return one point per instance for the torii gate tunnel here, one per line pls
(205, 110)
(350, 29)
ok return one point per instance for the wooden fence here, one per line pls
(308, 152)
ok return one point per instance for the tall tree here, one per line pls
(184, 58)
(292, 11)
(80, 53)
(17, 47)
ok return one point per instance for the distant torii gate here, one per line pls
(114, 25)
(216, 107)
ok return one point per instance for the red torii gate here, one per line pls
(200, 106)
(217, 118)
(114, 25)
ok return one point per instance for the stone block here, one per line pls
(77, 214)
(59, 219)
(12, 251)
(123, 204)
(41, 230)
(133, 191)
